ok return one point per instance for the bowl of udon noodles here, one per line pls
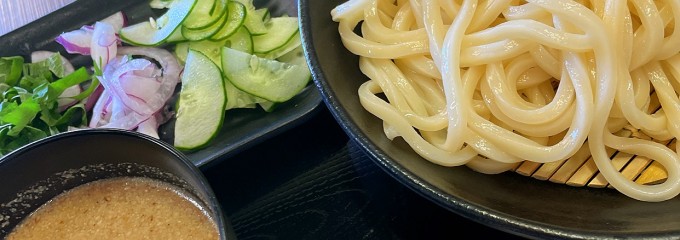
(541, 118)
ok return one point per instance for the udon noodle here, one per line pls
(491, 83)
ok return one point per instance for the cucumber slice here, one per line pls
(294, 43)
(213, 49)
(264, 12)
(240, 99)
(236, 16)
(235, 97)
(268, 106)
(153, 34)
(160, 4)
(280, 31)
(241, 40)
(202, 101)
(176, 36)
(210, 49)
(204, 33)
(295, 57)
(181, 51)
(265, 78)
(253, 19)
(205, 14)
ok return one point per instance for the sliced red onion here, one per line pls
(139, 86)
(122, 66)
(111, 113)
(136, 90)
(122, 118)
(149, 127)
(104, 44)
(170, 72)
(87, 27)
(99, 111)
(133, 92)
(91, 100)
(117, 20)
(99, 40)
(76, 41)
(66, 100)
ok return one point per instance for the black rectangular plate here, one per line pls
(242, 127)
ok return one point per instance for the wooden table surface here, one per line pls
(16, 13)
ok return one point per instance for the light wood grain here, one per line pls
(17, 13)
(580, 170)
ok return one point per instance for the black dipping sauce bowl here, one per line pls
(35, 173)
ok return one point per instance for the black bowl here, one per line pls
(509, 202)
(39, 171)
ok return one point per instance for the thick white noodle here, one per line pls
(492, 83)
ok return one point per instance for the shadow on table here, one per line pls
(311, 182)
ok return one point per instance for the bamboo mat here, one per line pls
(580, 170)
(16, 13)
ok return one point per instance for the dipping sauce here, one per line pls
(118, 208)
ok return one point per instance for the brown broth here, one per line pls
(118, 208)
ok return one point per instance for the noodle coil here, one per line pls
(491, 83)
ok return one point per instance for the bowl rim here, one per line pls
(221, 223)
(475, 212)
